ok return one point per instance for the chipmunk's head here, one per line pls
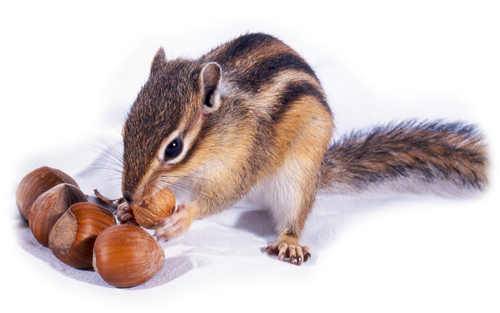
(166, 126)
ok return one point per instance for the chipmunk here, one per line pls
(251, 117)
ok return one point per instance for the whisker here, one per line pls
(114, 155)
(177, 186)
(107, 156)
(180, 195)
(112, 179)
(102, 167)
(180, 186)
(96, 166)
(192, 178)
(109, 149)
(178, 182)
(117, 154)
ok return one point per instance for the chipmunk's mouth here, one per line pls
(151, 212)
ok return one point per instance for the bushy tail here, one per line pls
(428, 152)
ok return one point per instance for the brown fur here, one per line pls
(428, 152)
(253, 118)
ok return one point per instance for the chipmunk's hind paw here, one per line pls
(295, 254)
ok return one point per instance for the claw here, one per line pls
(299, 255)
(307, 253)
(270, 250)
(282, 251)
(292, 254)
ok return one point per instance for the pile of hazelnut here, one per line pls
(85, 235)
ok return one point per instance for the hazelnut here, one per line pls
(47, 209)
(127, 255)
(36, 183)
(73, 235)
(153, 210)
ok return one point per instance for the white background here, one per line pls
(69, 72)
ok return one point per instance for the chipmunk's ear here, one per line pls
(159, 61)
(210, 79)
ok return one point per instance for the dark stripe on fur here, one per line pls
(429, 151)
(266, 69)
(241, 47)
(293, 92)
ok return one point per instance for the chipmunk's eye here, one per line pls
(173, 149)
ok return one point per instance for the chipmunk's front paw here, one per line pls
(124, 214)
(180, 220)
(295, 254)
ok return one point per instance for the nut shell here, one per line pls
(153, 210)
(73, 235)
(47, 209)
(127, 256)
(35, 183)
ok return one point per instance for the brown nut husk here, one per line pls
(35, 183)
(47, 209)
(73, 236)
(153, 210)
(127, 256)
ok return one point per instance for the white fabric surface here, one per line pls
(69, 75)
